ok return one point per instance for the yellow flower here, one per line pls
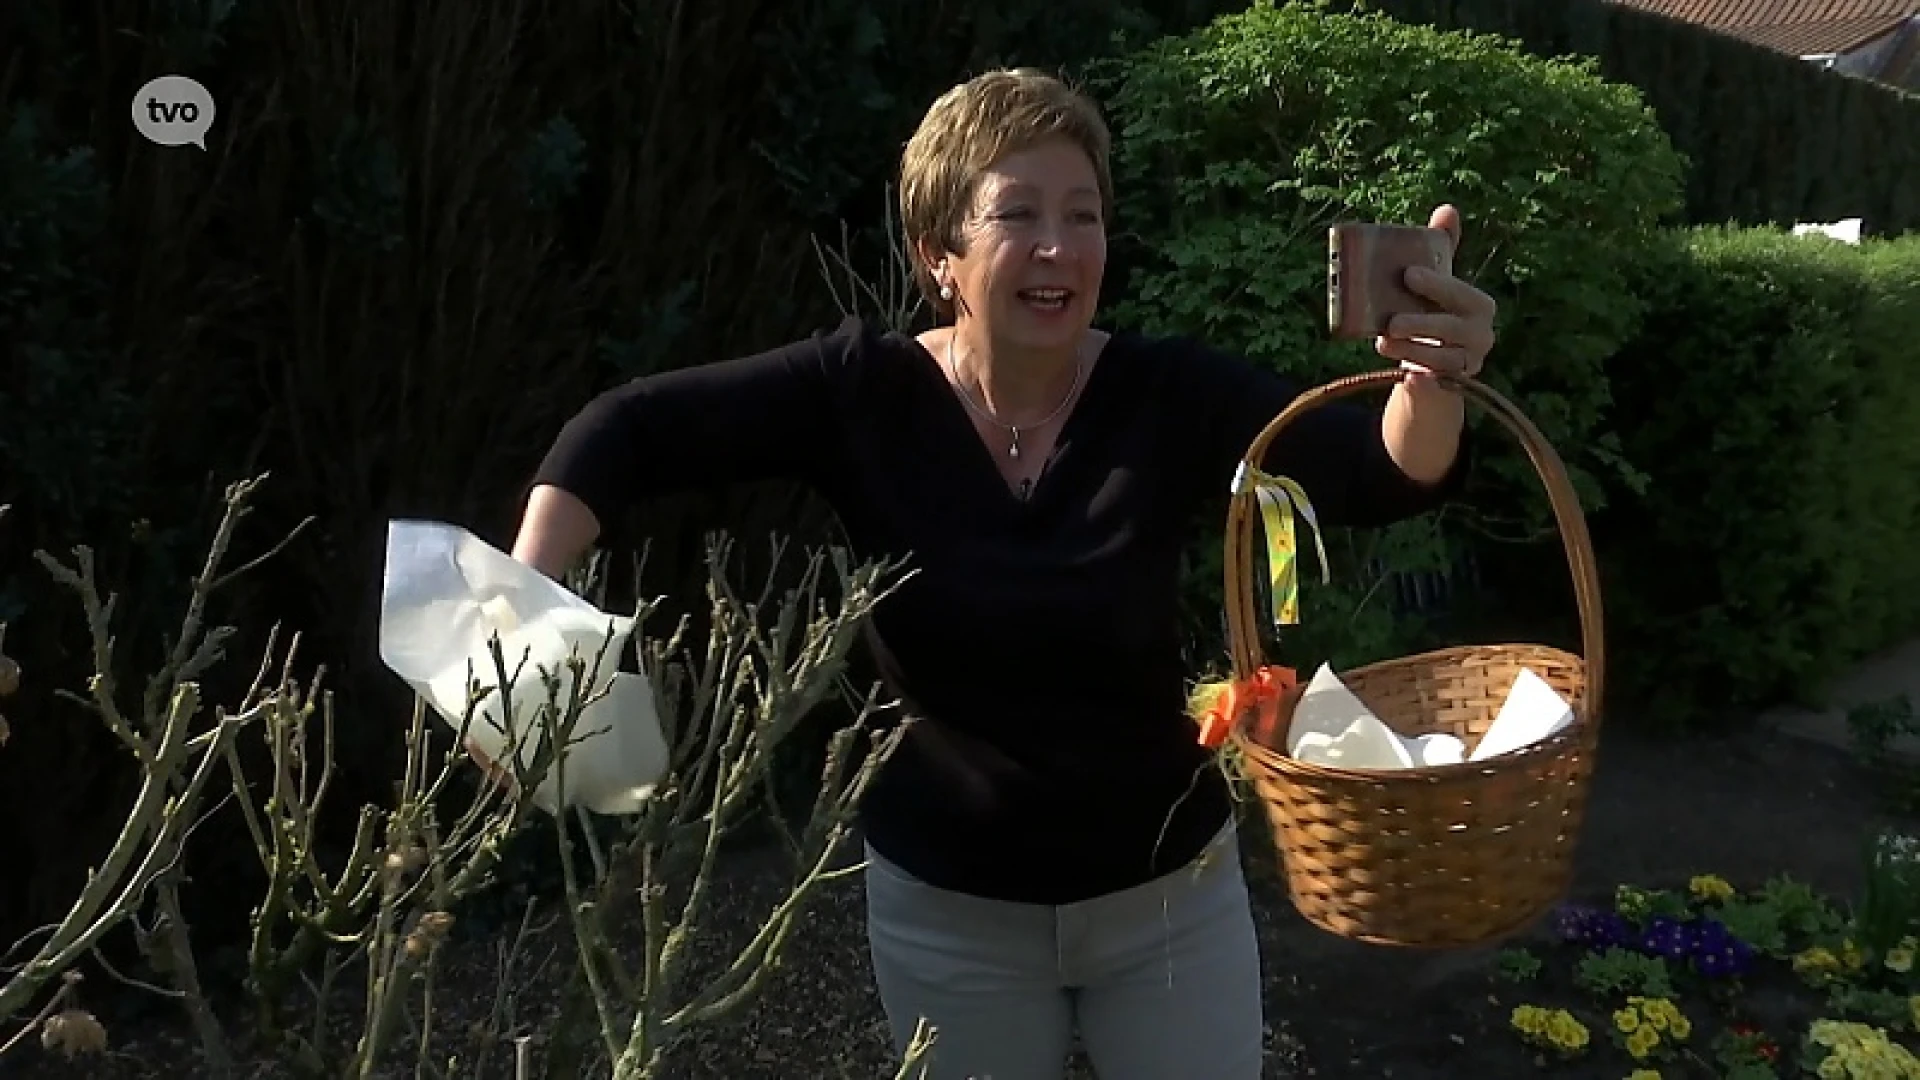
(1628, 1020)
(1832, 1033)
(1644, 1074)
(1818, 956)
(1642, 1042)
(1554, 1027)
(1528, 1019)
(1710, 888)
(1900, 959)
(1566, 1032)
(1632, 902)
(1857, 1052)
(1851, 956)
(1816, 965)
(1680, 1027)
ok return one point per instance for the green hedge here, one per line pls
(1773, 400)
(1238, 144)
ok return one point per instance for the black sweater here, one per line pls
(1037, 646)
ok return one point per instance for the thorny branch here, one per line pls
(728, 703)
(145, 862)
(766, 664)
(386, 908)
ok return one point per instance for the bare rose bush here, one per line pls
(355, 944)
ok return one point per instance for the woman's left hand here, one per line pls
(1455, 339)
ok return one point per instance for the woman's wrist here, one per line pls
(1421, 427)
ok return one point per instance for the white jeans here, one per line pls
(1162, 981)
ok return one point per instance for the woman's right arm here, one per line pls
(760, 417)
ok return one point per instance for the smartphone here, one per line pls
(1366, 274)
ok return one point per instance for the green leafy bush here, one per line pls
(1240, 143)
(1773, 398)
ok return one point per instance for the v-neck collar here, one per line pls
(981, 454)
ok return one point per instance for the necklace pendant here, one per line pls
(1013, 448)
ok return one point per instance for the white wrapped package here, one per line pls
(446, 594)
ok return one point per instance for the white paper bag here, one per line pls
(447, 593)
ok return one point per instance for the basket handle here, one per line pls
(1243, 636)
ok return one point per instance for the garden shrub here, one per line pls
(1237, 145)
(1773, 398)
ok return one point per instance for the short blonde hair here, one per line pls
(966, 131)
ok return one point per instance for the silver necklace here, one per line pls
(1013, 448)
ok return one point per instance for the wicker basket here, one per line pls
(1442, 856)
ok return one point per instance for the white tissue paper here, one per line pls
(1533, 711)
(446, 594)
(1333, 727)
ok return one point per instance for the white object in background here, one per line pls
(1533, 711)
(447, 593)
(1333, 727)
(1439, 748)
(1846, 230)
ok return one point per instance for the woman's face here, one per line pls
(1036, 248)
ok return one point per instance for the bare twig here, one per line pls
(504, 1015)
(145, 861)
(137, 984)
(758, 680)
(914, 1065)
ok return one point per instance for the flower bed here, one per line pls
(1713, 981)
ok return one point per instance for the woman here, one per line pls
(1042, 857)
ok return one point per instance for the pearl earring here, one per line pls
(946, 292)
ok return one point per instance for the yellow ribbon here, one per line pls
(1280, 498)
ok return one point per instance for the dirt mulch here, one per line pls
(1747, 808)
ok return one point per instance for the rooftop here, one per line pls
(1795, 27)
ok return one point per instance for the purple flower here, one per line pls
(1705, 943)
(1668, 938)
(1716, 952)
(1727, 963)
(1596, 928)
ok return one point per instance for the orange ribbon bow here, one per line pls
(1260, 696)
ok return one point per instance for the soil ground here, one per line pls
(1747, 808)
